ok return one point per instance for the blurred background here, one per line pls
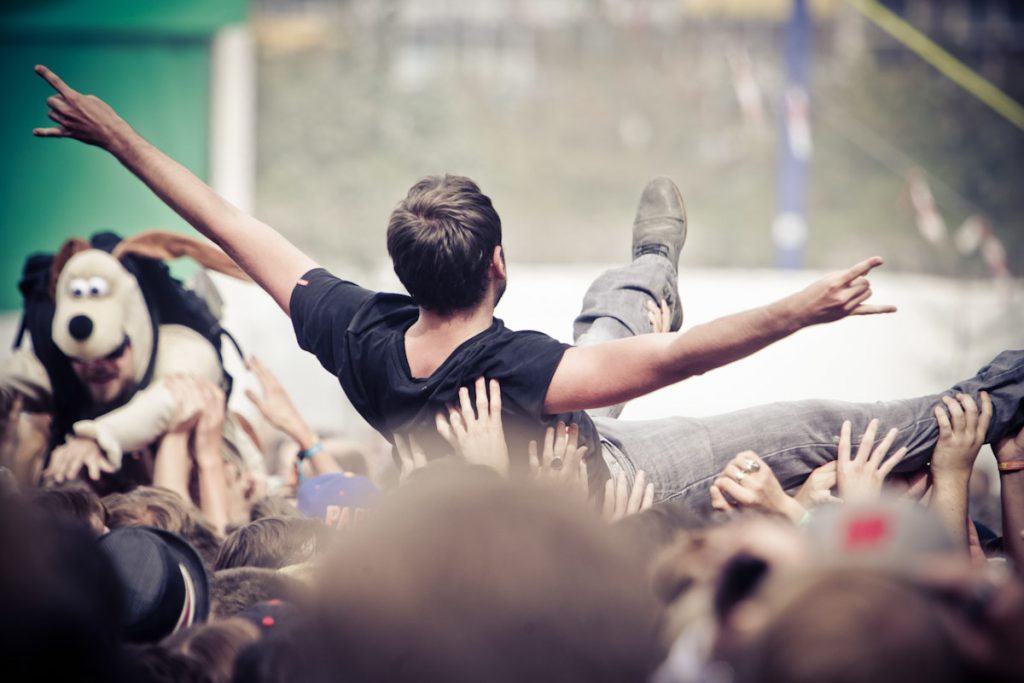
(805, 136)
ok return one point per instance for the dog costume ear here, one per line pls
(163, 245)
(61, 258)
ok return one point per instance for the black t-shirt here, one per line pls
(359, 336)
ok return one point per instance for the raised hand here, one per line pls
(276, 406)
(660, 316)
(747, 481)
(961, 434)
(562, 458)
(410, 456)
(861, 477)
(83, 117)
(838, 295)
(817, 488)
(477, 435)
(620, 500)
(68, 460)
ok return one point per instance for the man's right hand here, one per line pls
(838, 295)
(83, 117)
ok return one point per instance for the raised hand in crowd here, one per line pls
(67, 461)
(817, 488)
(477, 434)
(1009, 453)
(411, 456)
(620, 500)
(561, 460)
(861, 477)
(277, 408)
(196, 437)
(660, 316)
(962, 433)
(748, 482)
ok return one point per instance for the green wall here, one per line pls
(151, 61)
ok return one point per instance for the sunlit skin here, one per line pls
(107, 379)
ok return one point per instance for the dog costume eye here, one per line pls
(78, 287)
(98, 286)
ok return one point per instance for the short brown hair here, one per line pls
(440, 239)
(271, 543)
(214, 646)
(164, 509)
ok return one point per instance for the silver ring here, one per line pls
(739, 477)
(751, 466)
(556, 464)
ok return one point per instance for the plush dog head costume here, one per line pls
(99, 304)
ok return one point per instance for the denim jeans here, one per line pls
(682, 455)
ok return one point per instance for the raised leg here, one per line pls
(615, 305)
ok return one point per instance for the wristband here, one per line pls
(1011, 466)
(311, 451)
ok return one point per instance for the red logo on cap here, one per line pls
(866, 532)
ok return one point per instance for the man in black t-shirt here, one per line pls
(401, 358)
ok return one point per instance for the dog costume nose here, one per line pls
(80, 327)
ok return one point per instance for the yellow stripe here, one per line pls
(949, 65)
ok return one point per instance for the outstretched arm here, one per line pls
(262, 252)
(617, 371)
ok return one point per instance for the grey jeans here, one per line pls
(682, 455)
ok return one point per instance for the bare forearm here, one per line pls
(213, 488)
(949, 503)
(1012, 494)
(632, 367)
(728, 339)
(263, 253)
(171, 469)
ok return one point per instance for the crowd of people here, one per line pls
(515, 529)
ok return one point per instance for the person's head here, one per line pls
(214, 646)
(847, 626)
(234, 590)
(464, 576)
(75, 500)
(109, 379)
(444, 239)
(271, 543)
(61, 600)
(164, 509)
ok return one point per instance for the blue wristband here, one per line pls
(311, 451)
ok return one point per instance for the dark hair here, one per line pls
(270, 542)
(440, 239)
(233, 590)
(214, 646)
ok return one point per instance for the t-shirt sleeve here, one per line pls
(322, 308)
(527, 365)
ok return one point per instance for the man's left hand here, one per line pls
(67, 461)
